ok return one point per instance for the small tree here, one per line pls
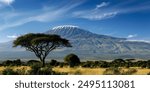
(41, 44)
(72, 60)
(118, 63)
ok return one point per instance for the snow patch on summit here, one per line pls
(64, 27)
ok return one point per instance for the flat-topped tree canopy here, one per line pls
(41, 44)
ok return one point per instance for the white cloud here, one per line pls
(132, 36)
(103, 16)
(40, 16)
(7, 2)
(139, 41)
(12, 36)
(103, 4)
(100, 13)
(97, 13)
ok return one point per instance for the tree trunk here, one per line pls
(43, 63)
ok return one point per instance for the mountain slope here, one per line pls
(86, 45)
(88, 42)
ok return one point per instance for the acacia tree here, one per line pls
(41, 44)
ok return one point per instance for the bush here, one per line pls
(33, 62)
(37, 69)
(54, 63)
(95, 64)
(148, 64)
(118, 63)
(62, 64)
(7, 63)
(112, 71)
(130, 72)
(104, 64)
(128, 64)
(17, 62)
(72, 60)
(9, 71)
(119, 71)
(88, 64)
(45, 71)
(1, 65)
(12, 63)
(23, 71)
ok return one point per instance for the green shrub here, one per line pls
(54, 63)
(148, 64)
(45, 71)
(22, 71)
(17, 62)
(104, 64)
(128, 64)
(118, 63)
(1, 65)
(7, 63)
(37, 69)
(72, 60)
(33, 62)
(9, 71)
(130, 71)
(62, 64)
(87, 64)
(119, 71)
(112, 71)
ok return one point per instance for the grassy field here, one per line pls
(95, 71)
(15, 68)
(79, 70)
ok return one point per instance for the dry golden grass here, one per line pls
(2, 68)
(15, 68)
(142, 71)
(21, 68)
(79, 70)
(94, 71)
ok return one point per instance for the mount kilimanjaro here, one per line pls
(86, 45)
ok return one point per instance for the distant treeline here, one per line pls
(88, 64)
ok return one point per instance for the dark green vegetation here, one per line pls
(72, 60)
(36, 68)
(41, 44)
(112, 68)
(9, 71)
(119, 71)
(76, 63)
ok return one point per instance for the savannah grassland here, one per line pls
(96, 71)
(53, 67)
(77, 70)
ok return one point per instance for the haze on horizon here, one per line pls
(120, 18)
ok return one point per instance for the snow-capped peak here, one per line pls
(64, 26)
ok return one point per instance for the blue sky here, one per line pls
(119, 18)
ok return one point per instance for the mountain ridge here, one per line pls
(70, 30)
(88, 45)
